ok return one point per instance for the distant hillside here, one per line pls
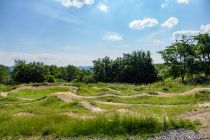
(10, 68)
(85, 67)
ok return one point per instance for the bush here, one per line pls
(199, 80)
(51, 79)
(88, 79)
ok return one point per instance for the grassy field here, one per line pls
(6, 88)
(38, 113)
(128, 89)
(174, 100)
(38, 93)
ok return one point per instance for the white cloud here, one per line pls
(103, 7)
(140, 24)
(113, 37)
(178, 34)
(183, 1)
(76, 3)
(205, 28)
(171, 22)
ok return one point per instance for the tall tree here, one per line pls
(203, 52)
(179, 57)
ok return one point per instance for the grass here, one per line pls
(155, 111)
(6, 88)
(155, 100)
(49, 117)
(63, 126)
(38, 93)
(130, 89)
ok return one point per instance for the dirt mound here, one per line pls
(78, 116)
(126, 111)
(91, 107)
(24, 114)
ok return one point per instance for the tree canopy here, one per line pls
(188, 56)
(135, 67)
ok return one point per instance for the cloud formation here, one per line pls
(103, 7)
(141, 24)
(205, 28)
(76, 3)
(113, 37)
(171, 22)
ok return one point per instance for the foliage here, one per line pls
(188, 56)
(32, 72)
(4, 75)
(136, 67)
(37, 72)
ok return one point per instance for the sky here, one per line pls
(76, 32)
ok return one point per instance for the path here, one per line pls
(203, 116)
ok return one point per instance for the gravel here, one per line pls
(179, 134)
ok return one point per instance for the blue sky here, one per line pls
(77, 32)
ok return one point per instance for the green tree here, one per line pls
(179, 57)
(202, 50)
(72, 73)
(136, 67)
(31, 72)
(4, 74)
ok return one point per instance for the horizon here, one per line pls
(76, 32)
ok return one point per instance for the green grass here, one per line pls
(174, 100)
(156, 111)
(49, 113)
(6, 88)
(202, 96)
(63, 126)
(38, 93)
(130, 89)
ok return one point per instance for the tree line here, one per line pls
(39, 72)
(185, 58)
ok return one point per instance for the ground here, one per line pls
(55, 106)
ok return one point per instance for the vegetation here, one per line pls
(136, 67)
(47, 117)
(4, 75)
(188, 56)
(176, 100)
(63, 126)
(6, 88)
(37, 93)
(38, 111)
(93, 89)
